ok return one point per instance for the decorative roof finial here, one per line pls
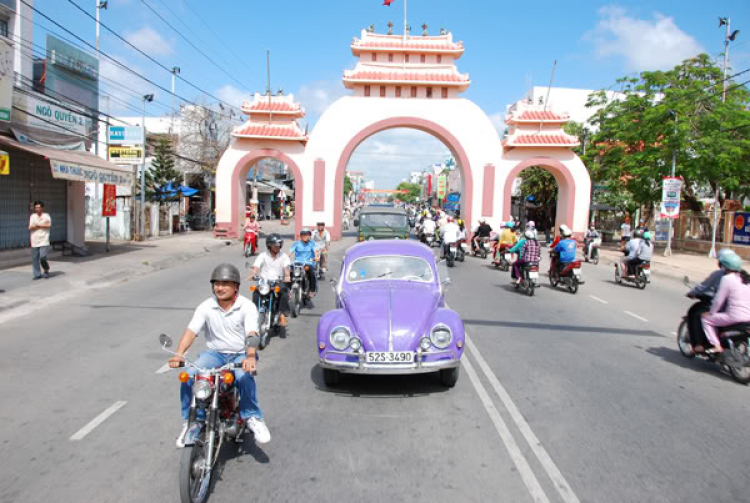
(281, 92)
(408, 29)
(390, 27)
(424, 30)
(371, 29)
(443, 31)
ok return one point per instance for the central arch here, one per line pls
(427, 126)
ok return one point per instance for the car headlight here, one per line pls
(264, 288)
(202, 390)
(441, 336)
(340, 338)
(425, 343)
(355, 343)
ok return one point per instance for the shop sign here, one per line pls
(6, 80)
(109, 201)
(126, 155)
(4, 163)
(126, 135)
(670, 197)
(741, 235)
(662, 230)
(50, 117)
(77, 173)
(442, 187)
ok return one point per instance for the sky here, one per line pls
(510, 46)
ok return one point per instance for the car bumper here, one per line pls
(355, 363)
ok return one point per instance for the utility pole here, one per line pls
(668, 249)
(99, 6)
(149, 98)
(175, 72)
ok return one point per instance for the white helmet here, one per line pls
(529, 234)
(530, 224)
(565, 231)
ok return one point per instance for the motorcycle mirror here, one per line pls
(165, 340)
(252, 341)
(686, 280)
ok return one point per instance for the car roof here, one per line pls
(382, 209)
(390, 247)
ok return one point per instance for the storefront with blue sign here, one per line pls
(741, 234)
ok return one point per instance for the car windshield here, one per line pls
(384, 220)
(390, 268)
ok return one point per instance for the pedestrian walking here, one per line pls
(39, 226)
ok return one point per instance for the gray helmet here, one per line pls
(226, 272)
(274, 239)
(639, 233)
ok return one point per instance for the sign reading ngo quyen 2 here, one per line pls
(44, 115)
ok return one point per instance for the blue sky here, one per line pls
(508, 45)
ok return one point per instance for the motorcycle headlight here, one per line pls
(340, 338)
(296, 271)
(441, 336)
(202, 390)
(264, 288)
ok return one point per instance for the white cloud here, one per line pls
(656, 44)
(150, 41)
(498, 120)
(233, 96)
(318, 96)
(128, 86)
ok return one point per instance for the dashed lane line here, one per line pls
(599, 300)
(80, 434)
(636, 316)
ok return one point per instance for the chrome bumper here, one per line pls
(417, 367)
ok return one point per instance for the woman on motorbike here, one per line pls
(734, 292)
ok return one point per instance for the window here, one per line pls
(444, 92)
(389, 268)
(4, 27)
(413, 92)
(429, 92)
(406, 58)
(422, 58)
(439, 58)
(374, 56)
(382, 91)
(398, 91)
(367, 90)
(390, 58)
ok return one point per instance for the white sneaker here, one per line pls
(180, 442)
(259, 429)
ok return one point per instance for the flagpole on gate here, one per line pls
(405, 25)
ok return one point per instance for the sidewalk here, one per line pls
(679, 265)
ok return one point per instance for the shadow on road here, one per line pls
(697, 364)
(159, 308)
(380, 386)
(562, 328)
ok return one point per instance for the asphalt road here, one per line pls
(561, 398)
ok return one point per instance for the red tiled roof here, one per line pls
(543, 139)
(290, 131)
(408, 76)
(274, 106)
(530, 115)
(411, 44)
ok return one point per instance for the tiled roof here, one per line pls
(286, 131)
(530, 115)
(274, 106)
(542, 139)
(411, 44)
(408, 76)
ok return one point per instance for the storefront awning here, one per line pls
(77, 166)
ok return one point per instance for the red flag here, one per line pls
(388, 2)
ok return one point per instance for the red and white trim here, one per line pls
(270, 132)
(409, 78)
(541, 140)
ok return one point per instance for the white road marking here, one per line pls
(97, 421)
(636, 316)
(527, 475)
(673, 333)
(562, 486)
(599, 300)
(164, 368)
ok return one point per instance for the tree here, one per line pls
(348, 186)
(415, 190)
(538, 182)
(577, 129)
(632, 150)
(162, 170)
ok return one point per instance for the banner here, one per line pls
(126, 155)
(4, 163)
(6, 80)
(109, 201)
(125, 135)
(670, 197)
(741, 235)
(77, 173)
(442, 187)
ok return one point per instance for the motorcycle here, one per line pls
(251, 243)
(591, 250)
(463, 248)
(300, 291)
(266, 296)
(428, 238)
(482, 248)
(735, 339)
(214, 417)
(641, 275)
(569, 276)
(529, 278)
(503, 257)
(450, 256)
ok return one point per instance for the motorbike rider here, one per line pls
(482, 231)
(462, 229)
(708, 288)
(589, 237)
(531, 226)
(450, 233)
(506, 239)
(322, 238)
(307, 252)
(428, 227)
(272, 265)
(734, 292)
(565, 249)
(528, 250)
(225, 320)
(631, 250)
(252, 225)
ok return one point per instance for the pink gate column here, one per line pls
(488, 190)
(319, 185)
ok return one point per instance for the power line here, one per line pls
(192, 44)
(123, 39)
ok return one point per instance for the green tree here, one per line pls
(577, 129)
(538, 182)
(415, 190)
(348, 186)
(162, 170)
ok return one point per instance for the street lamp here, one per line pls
(99, 6)
(175, 72)
(146, 98)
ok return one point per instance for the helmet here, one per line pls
(529, 234)
(639, 233)
(565, 231)
(274, 239)
(450, 219)
(731, 261)
(321, 223)
(305, 232)
(460, 222)
(530, 224)
(509, 224)
(592, 226)
(226, 272)
(725, 251)
(647, 236)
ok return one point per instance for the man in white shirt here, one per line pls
(428, 228)
(225, 320)
(322, 238)
(39, 226)
(272, 265)
(450, 234)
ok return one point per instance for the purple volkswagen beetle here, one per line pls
(390, 315)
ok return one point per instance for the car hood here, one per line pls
(400, 308)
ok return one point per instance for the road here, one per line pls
(562, 398)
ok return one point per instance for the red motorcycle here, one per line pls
(251, 243)
(569, 276)
(503, 257)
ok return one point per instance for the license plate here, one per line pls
(577, 272)
(464, 246)
(487, 246)
(647, 272)
(453, 248)
(390, 356)
(534, 275)
(507, 257)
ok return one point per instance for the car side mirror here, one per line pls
(356, 222)
(165, 341)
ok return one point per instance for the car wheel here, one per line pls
(449, 377)
(331, 377)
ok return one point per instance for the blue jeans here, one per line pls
(245, 382)
(39, 255)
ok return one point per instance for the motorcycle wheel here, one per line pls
(553, 279)
(484, 253)
(449, 377)
(263, 331)
(450, 261)
(641, 281)
(295, 307)
(194, 482)
(573, 285)
(331, 377)
(740, 367)
(247, 253)
(618, 276)
(530, 288)
(461, 257)
(683, 340)
(595, 256)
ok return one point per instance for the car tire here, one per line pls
(331, 377)
(449, 377)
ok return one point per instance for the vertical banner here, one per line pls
(109, 201)
(442, 187)
(4, 163)
(670, 197)
(7, 57)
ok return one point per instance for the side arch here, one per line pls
(427, 126)
(239, 188)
